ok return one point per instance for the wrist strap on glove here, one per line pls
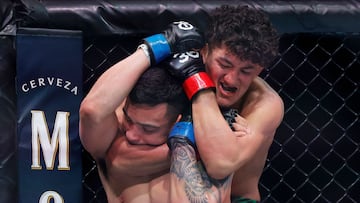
(160, 48)
(183, 131)
(197, 82)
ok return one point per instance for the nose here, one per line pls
(230, 77)
(132, 135)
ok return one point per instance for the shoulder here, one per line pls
(268, 96)
(263, 103)
(261, 95)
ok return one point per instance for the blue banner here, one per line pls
(49, 92)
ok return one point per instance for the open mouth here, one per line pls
(227, 89)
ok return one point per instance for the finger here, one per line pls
(240, 120)
(240, 129)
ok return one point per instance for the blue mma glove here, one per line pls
(182, 131)
(178, 37)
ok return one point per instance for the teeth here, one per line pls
(229, 89)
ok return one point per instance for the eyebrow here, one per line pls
(225, 60)
(144, 125)
(248, 67)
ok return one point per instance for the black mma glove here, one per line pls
(178, 37)
(189, 68)
(229, 115)
(182, 131)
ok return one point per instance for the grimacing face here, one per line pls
(231, 75)
(147, 125)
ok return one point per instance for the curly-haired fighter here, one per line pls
(241, 42)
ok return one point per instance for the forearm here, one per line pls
(113, 86)
(152, 162)
(216, 142)
(137, 160)
(189, 181)
(185, 182)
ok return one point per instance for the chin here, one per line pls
(223, 102)
(227, 103)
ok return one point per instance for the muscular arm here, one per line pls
(221, 150)
(98, 122)
(189, 181)
(138, 160)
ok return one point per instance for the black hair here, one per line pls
(246, 32)
(156, 86)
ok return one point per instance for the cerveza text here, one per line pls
(50, 81)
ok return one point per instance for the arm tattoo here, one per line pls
(198, 184)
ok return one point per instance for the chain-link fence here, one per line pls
(315, 155)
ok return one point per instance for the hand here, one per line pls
(189, 68)
(178, 37)
(230, 115)
(241, 126)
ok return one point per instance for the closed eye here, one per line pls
(225, 66)
(224, 63)
(246, 71)
(149, 129)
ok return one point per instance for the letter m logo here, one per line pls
(59, 141)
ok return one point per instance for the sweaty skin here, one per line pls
(244, 150)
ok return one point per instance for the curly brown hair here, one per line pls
(246, 32)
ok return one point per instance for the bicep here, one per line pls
(257, 130)
(95, 136)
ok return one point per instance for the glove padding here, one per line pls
(182, 131)
(178, 37)
(189, 68)
(229, 115)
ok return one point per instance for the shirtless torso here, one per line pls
(258, 99)
(187, 181)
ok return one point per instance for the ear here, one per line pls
(119, 110)
(259, 69)
(204, 52)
